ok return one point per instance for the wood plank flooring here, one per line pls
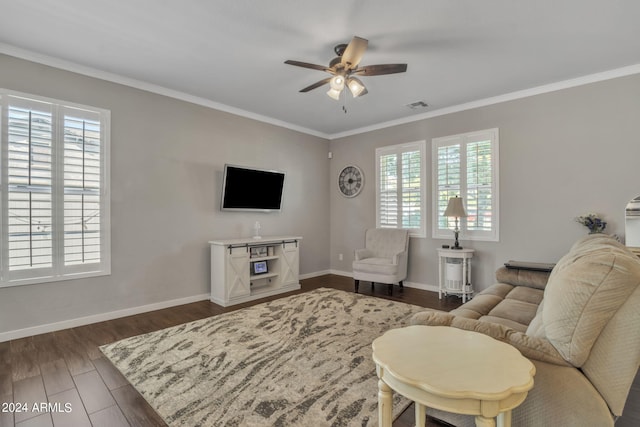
(66, 372)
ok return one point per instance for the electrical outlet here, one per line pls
(340, 257)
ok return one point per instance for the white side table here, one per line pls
(454, 268)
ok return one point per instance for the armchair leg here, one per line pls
(390, 289)
(357, 285)
(372, 286)
(401, 285)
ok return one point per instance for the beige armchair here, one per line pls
(384, 257)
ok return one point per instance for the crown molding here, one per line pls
(552, 87)
(149, 87)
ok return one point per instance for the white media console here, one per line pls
(247, 269)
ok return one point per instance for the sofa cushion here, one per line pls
(525, 294)
(515, 310)
(508, 305)
(530, 347)
(482, 303)
(584, 291)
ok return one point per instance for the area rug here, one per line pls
(303, 360)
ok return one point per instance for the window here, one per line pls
(55, 194)
(466, 165)
(400, 187)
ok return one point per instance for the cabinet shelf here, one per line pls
(263, 258)
(262, 276)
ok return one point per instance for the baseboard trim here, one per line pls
(314, 274)
(81, 321)
(87, 320)
(422, 286)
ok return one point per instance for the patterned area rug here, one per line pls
(303, 360)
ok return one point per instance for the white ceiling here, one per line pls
(230, 53)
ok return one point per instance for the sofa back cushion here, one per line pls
(585, 290)
(522, 277)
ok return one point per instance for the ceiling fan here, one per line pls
(345, 67)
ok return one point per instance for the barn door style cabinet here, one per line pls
(246, 269)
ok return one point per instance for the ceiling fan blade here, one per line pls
(379, 70)
(308, 65)
(316, 85)
(354, 51)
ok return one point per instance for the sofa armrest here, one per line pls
(363, 254)
(530, 347)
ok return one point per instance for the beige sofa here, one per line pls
(580, 325)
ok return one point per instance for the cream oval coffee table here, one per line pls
(452, 370)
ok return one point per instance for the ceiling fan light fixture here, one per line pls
(334, 93)
(337, 82)
(355, 86)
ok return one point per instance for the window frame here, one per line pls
(58, 271)
(399, 149)
(463, 140)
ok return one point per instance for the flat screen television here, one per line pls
(251, 189)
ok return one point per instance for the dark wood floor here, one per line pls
(67, 369)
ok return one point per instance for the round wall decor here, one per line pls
(350, 181)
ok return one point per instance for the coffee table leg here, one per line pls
(504, 419)
(421, 414)
(485, 422)
(385, 403)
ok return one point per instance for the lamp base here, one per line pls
(456, 245)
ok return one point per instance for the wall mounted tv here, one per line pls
(251, 189)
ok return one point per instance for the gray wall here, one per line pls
(167, 158)
(562, 154)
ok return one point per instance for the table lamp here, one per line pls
(455, 209)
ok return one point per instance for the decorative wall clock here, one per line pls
(350, 181)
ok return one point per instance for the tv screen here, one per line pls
(251, 189)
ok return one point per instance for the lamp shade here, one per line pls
(334, 93)
(355, 86)
(455, 208)
(337, 82)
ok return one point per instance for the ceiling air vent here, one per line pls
(417, 105)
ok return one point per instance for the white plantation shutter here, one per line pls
(82, 178)
(55, 199)
(29, 183)
(466, 165)
(479, 185)
(388, 191)
(447, 182)
(400, 187)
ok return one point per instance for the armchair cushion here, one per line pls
(377, 266)
(361, 254)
